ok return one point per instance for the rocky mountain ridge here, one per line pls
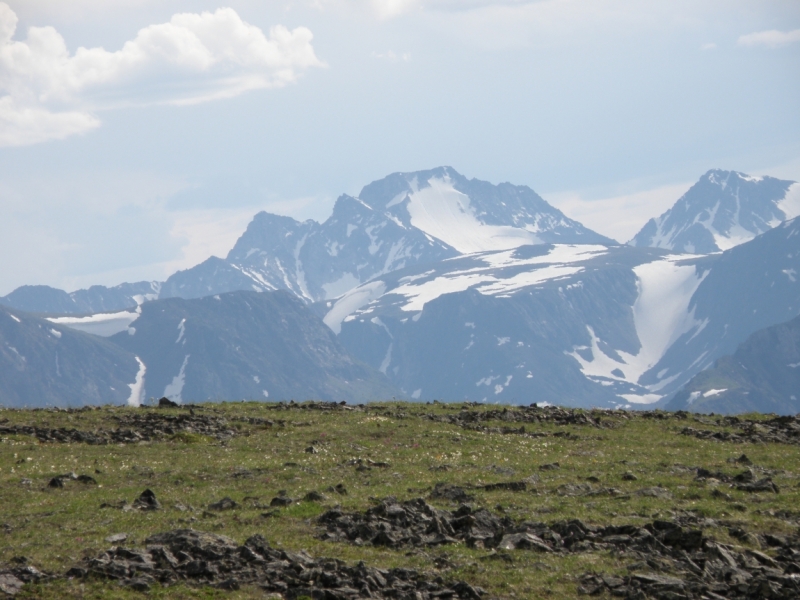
(722, 210)
(237, 345)
(403, 220)
(762, 375)
(455, 288)
(575, 325)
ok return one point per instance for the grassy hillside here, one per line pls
(602, 468)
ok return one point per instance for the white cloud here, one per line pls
(31, 124)
(709, 46)
(772, 38)
(50, 94)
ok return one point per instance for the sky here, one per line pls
(139, 137)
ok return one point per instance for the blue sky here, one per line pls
(141, 138)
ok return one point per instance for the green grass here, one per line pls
(54, 528)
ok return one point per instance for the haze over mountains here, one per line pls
(444, 287)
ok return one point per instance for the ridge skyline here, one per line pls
(670, 195)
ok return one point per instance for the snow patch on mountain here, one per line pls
(137, 387)
(336, 288)
(558, 254)
(351, 302)
(443, 212)
(491, 282)
(661, 312)
(790, 205)
(418, 295)
(661, 315)
(181, 331)
(102, 324)
(175, 387)
(500, 273)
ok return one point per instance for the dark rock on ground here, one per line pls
(63, 434)
(762, 485)
(500, 470)
(416, 523)
(224, 504)
(155, 425)
(586, 489)
(473, 419)
(779, 430)
(13, 577)
(147, 501)
(195, 557)
(281, 501)
(668, 560)
(315, 496)
(448, 491)
(655, 492)
(10, 584)
(692, 567)
(528, 414)
(511, 486)
(337, 489)
(133, 428)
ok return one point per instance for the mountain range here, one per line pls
(45, 364)
(44, 299)
(439, 286)
(242, 345)
(584, 325)
(403, 220)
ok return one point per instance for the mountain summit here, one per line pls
(722, 210)
(400, 221)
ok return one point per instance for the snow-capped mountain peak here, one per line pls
(445, 213)
(402, 220)
(471, 215)
(722, 210)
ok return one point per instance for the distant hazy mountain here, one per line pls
(43, 364)
(402, 220)
(762, 375)
(457, 289)
(723, 209)
(245, 345)
(242, 345)
(98, 298)
(579, 325)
